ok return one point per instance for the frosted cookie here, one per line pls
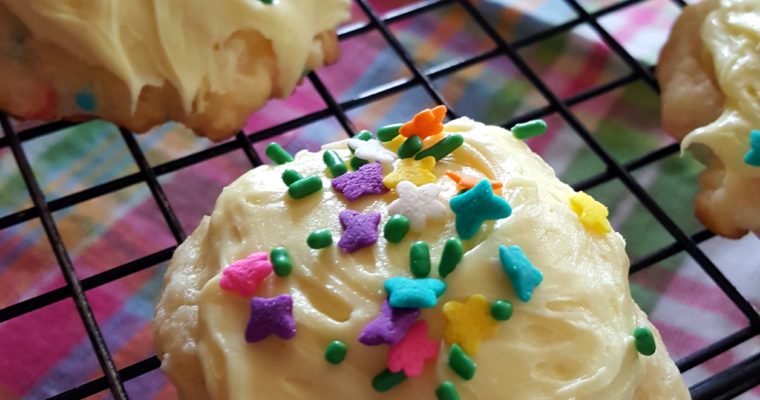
(708, 73)
(206, 64)
(452, 264)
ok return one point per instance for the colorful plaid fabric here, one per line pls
(46, 351)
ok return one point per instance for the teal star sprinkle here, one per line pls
(523, 275)
(414, 293)
(475, 206)
(753, 155)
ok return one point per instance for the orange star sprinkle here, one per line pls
(468, 323)
(427, 122)
(466, 182)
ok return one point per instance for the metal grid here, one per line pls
(726, 384)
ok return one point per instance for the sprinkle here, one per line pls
(452, 254)
(447, 391)
(396, 228)
(442, 148)
(267, 2)
(290, 176)
(418, 204)
(281, 261)
(467, 182)
(529, 129)
(390, 326)
(356, 163)
(335, 352)
(419, 172)
(371, 150)
(334, 163)
(304, 187)
(644, 339)
(753, 154)
(523, 275)
(363, 135)
(426, 123)
(475, 206)
(410, 147)
(86, 100)
(409, 355)
(244, 276)
(276, 153)
(396, 143)
(359, 230)
(468, 323)
(388, 132)
(271, 316)
(367, 180)
(461, 363)
(414, 293)
(319, 239)
(419, 259)
(501, 310)
(591, 213)
(387, 380)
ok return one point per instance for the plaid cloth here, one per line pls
(47, 351)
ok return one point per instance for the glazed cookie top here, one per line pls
(151, 42)
(452, 262)
(731, 35)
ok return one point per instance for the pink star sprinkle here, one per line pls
(412, 351)
(244, 276)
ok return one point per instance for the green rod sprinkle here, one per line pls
(442, 148)
(410, 147)
(388, 132)
(501, 310)
(280, 261)
(529, 129)
(276, 153)
(334, 163)
(419, 259)
(304, 187)
(357, 162)
(387, 380)
(396, 228)
(452, 254)
(447, 391)
(645, 343)
(461, 363)
(319, 239)
(363, 135)
(336, 352)
(290, 176)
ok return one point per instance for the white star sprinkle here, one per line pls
(419, 204)
(371, 150)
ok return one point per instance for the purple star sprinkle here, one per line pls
(359, 230)
(390, 326)
(366, 180)
(271, 316)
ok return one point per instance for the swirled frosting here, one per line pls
(149, 42)
(571, 340)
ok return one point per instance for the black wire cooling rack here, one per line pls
(727, 384)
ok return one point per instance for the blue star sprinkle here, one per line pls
(414, 293)
(475, 206)
(753, 155)
(523, 275)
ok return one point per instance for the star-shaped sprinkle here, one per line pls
(523, 275)
(409, 355)
(753, 154)
(414, 293)
(390, 326)
(419, 204)
(475, 206)
(244, 276)
(359, 230)
(368, 179)
(419, 172)
(394, 144)
(271, 316)
(371, 150)
(591, 213)
(425, 123)
(468, 323)
(467, 182)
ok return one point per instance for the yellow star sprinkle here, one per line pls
(419, 172)
(394, 144)
(468, 323)
(591, 213)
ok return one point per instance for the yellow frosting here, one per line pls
(572, 340)
(731, 34)
(149, 42)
